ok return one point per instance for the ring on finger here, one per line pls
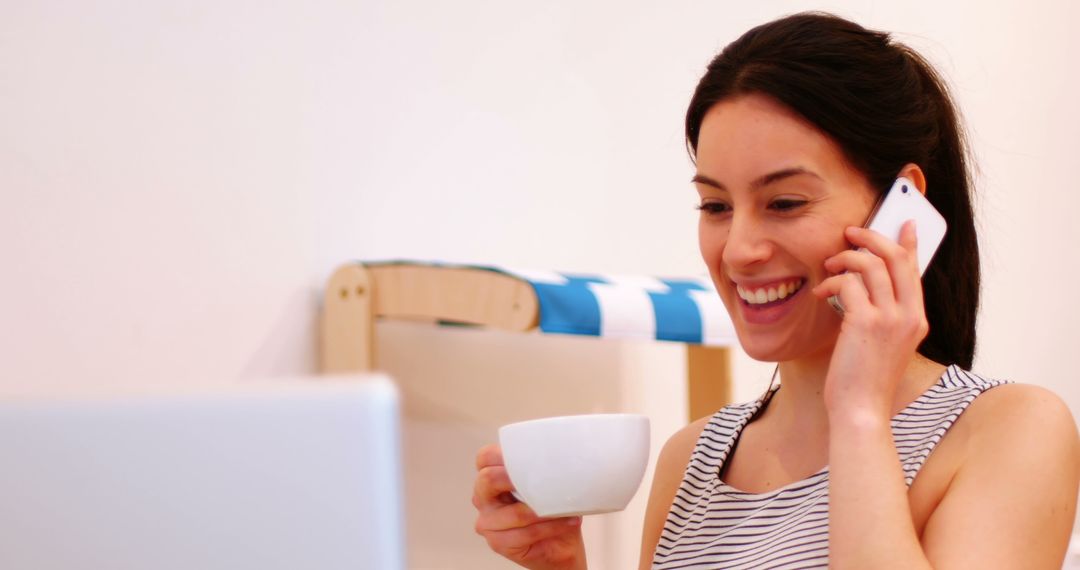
(834, 302)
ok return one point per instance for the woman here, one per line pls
(797, 127)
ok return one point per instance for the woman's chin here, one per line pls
(760, 350)
(774, 349)
(765, 355)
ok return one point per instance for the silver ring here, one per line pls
(834, 302)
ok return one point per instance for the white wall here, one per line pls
(178, 179)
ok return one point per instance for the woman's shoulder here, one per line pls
(1018, 466)
(1012, 402)
(1001, 410)
(678, 448)
(681, 443)
(1013, 426)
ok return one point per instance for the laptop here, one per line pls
(274, 475)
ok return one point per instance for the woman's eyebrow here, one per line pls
(765, 180)
(780, 175)
(702, 179)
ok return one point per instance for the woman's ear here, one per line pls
(912, 172)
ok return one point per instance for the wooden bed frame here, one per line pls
(358, 294)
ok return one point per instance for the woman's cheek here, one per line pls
(710, 242)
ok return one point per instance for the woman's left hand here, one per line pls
(883, 323)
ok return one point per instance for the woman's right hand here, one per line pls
(513, 530)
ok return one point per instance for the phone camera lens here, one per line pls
(904, 188)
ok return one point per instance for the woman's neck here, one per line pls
(800, 405)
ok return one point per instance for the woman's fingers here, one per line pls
(909, 292)
(510, 527)
(492, 488)
(507, 517)
(517, 542)
(489, 455)
(901, 259)
(868, 268)
(880, 286)
(513, 530)
(849, 288)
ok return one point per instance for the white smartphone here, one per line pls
(904, 202)
(901, 203)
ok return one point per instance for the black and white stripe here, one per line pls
(713, 525)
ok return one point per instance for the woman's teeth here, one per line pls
(769, 294)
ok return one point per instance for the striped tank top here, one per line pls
(713, 525)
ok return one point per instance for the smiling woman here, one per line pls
(879, 449)
(776, 194)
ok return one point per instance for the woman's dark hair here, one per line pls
(884, 106)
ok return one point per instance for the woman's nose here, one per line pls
(747, 243)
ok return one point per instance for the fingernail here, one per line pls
(573, 521)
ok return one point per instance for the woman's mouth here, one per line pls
(772, 295)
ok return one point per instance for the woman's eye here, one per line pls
(785, 205)
(714, 208)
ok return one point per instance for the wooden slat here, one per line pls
(708, 379)
(455, 294)
(348, 322)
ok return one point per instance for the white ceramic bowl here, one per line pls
(576, 465)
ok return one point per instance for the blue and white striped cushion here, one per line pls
(686, 310)
(632, 307)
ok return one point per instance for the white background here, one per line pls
(178, 179)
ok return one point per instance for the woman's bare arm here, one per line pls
(1012, 503)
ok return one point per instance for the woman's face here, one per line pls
(776, 195)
